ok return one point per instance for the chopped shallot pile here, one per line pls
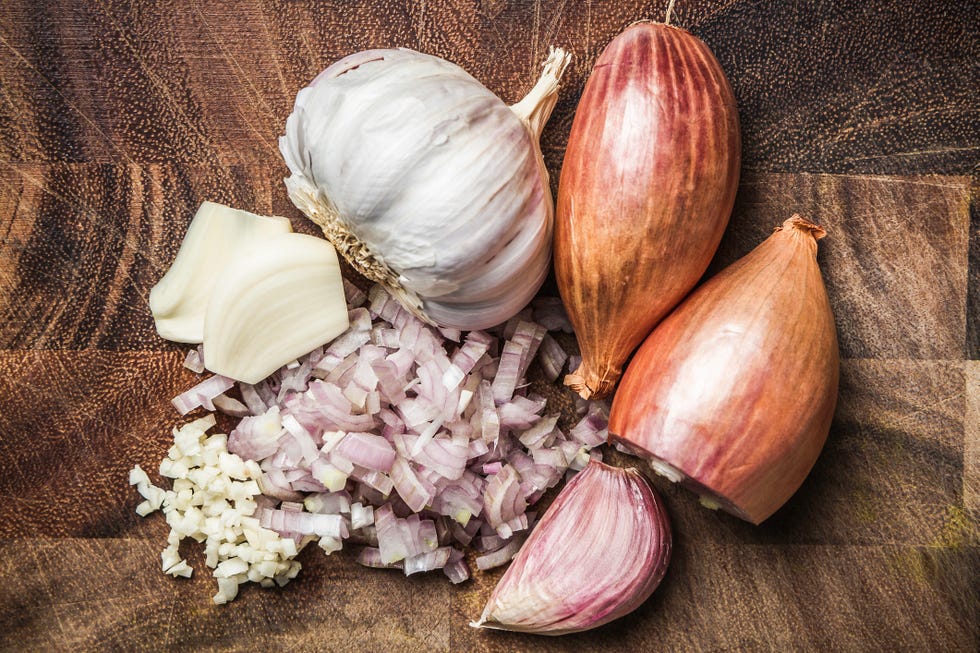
(408, 441)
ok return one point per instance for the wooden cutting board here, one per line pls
(118, 118)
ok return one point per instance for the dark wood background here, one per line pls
(118, 118)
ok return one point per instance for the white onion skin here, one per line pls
(646, 191)
(736, 389)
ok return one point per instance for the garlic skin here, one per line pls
(600, 550)
(274, 302)
(216, 233)
(426, 182)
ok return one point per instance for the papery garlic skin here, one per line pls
(733, 394)
(216, 233)
(274, 302)
(600, 550)
(427, 182)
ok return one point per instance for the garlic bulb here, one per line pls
(601, 549)
(426, 182)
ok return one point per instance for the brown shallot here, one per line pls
(734, 392)
(646, 190)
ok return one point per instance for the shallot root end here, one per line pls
(592, 386)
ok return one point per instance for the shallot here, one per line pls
(647, 187)
(733, 394)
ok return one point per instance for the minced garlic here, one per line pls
(213, 501)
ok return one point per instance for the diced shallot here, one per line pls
(550, 313)
(256, 438)
(230, 406)
(406, 438)
(202, 394)
(508, 373)
(329, 503)
(367, 450)
(413, 490)
(402, 538)
(455, 568)
(371, 557)
(427, 561)
(552, 358)
(501, 556)
(194, 361)
(361, 516)
(355, 296)
(504, 499)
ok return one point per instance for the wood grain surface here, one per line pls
(118, 118)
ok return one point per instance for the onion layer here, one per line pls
(733, 394)
(647, 187)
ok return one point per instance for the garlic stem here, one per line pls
(536, 107)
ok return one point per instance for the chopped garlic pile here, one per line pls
(213, 501)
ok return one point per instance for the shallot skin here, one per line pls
(646, 191)
(736, 389)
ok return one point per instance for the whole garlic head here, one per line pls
(426, 182)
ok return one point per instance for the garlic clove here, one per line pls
(180, 299)
(274, 302)
(601, 549)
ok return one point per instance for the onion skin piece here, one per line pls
(736, 390)
(600, 551)
(646, 190)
